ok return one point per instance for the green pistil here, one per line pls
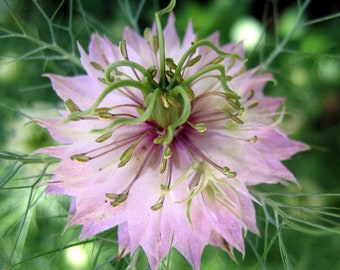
(158, 15)
(191, 51)
(147, 73)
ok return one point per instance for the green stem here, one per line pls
(160, 34)
(26, 158)
(279, 48)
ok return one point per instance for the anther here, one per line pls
(101, 109)
(167, 152)
(121, 198)
(173, 101)
(112, 196)
(159, 139)
(71, 106)
(163, 165)
(225, 170)
(126, 156)
(105, 116)
(80, 158)
(253, 140)
(200, 127)
(123, 49)
(102, 80)
(170, 63)
(231, 174)
(217, 60)
(97, 66)
(155, 43)
(170, 73)
(253, 104)
(147, 34)
(165, 101)
(104, 137)
(233, 105)
(242, 111)
(157, 206)
(193, 61)
(164, 189)
(251, 94)
(152, 70)
(236, 119)
(190, 93)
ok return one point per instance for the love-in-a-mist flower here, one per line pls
(162, 138)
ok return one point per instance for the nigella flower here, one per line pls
(162, 138)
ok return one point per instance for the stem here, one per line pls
(279, 48)
(160, 34)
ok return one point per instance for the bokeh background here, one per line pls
(298, 43)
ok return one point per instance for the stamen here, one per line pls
(197, 152)
(217, 60)
(152, 70)
(253, 140)
(170, 63)
(112, 196)
(167, 152)
(165, 189)
(105, 116)
(147, 34)
(121, 198)
(200, 127)
(225, 170)
(80, 158)
(97, 66)
(193, 61)
(163, 165)
(165, 101)
(123, 50)
(71, 106)
(251, 94)
(126, 156)
(253, 104)
(157, 206)
(173, 101)
(231, 174)
(236, 119)
(155, 44)
(104, 137)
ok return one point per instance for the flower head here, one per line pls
(163, 140)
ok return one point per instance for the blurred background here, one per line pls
(298, 43)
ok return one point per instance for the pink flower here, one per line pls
(166, 156)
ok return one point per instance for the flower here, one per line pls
(163, 140)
